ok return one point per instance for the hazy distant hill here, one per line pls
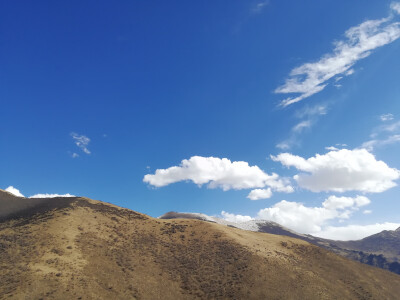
(77, 248)
(380, 250)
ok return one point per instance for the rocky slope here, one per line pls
(77, 248)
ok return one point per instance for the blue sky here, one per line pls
(295, 104)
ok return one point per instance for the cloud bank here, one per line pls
(51, 195)
(355, 232)
(311, 78)
(235, 218)
(305, 219)
(17, 193)
(341, 171)
(315, 220)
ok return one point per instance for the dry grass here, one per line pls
(85, 249)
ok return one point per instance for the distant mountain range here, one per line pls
(380, 250)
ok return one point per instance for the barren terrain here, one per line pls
(77, 248)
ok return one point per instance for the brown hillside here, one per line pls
(76, 248)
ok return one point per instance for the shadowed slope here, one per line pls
(92, 250)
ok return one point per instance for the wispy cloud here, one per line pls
(311, 78)
(390, 127)
(371, 144)
(386, 117)
(309, 116)
(332, 148)
(301, 126)
(384, 134)
(259, 6)
(82, 142)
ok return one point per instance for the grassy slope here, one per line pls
(80, 248)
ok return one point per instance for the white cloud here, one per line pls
(340, 171)
(367, 212)
(311, 78)
(297, 217)
(235, 218)
(218, 173)
(395, 6)
(334, 202)
(354, 232)
(50, 195)
(258, 194)
(14, 191)
(17, 193)
(386, 117)
(303, 219)
(75, 155)
(316, 220)
(81, 141)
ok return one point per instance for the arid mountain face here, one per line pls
(381, 250)
(76, 248)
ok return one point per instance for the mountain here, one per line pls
(381, 250)
(386, 243)
(77, 248)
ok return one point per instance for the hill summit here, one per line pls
(77, 248)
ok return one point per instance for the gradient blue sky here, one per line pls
(96, 94)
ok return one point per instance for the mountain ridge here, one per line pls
(77, 248)
(380, 250)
